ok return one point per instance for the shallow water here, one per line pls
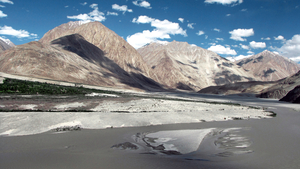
(196, 144)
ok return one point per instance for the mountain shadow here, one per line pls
(75, 43)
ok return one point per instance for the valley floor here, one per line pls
(157, 130)
(33, 114)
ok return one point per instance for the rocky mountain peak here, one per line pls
(7, 41)
(267, 52)
(269, 66)
(155, 44)
(114, 46)
(5, 44)
(175, 45)
(74, 24)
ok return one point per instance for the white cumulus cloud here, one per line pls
(167, 26)
(95, 15)
(2, 15)
(224, 2)
(162, 30)
(200, 33)
(8, 30)
(238, 34)
(244, 46)
(217, 30)
(140, 39)
(267, 38)
(240, 57)
(190, 25)
(181, 20)
(122, 8)
(250, 52)
(256, 45)
(291, 48)
(7, 1)
(280, 37)
(219, 49)
(112, 13)
(143, 19)
(83, 4)
(94, 6)
(83, 17)
(296, 59)
(144, 4)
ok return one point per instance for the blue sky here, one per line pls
(237, 28)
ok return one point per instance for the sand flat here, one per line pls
(134, 112)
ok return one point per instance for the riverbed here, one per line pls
(257, 142)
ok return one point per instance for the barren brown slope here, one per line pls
(114, 46)
(269, 66)
(70, 58)
(180, 65)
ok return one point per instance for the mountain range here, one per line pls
(278, 75)
(90, 53)
(184, 66)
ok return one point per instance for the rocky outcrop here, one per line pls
(188, 67)
(293, 96)
(269, 66)
(73, 59)
(253, 87)
(273, 89)
(281, 87)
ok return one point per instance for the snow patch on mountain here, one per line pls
(7, 41)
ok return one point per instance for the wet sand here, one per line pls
(274, 144)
